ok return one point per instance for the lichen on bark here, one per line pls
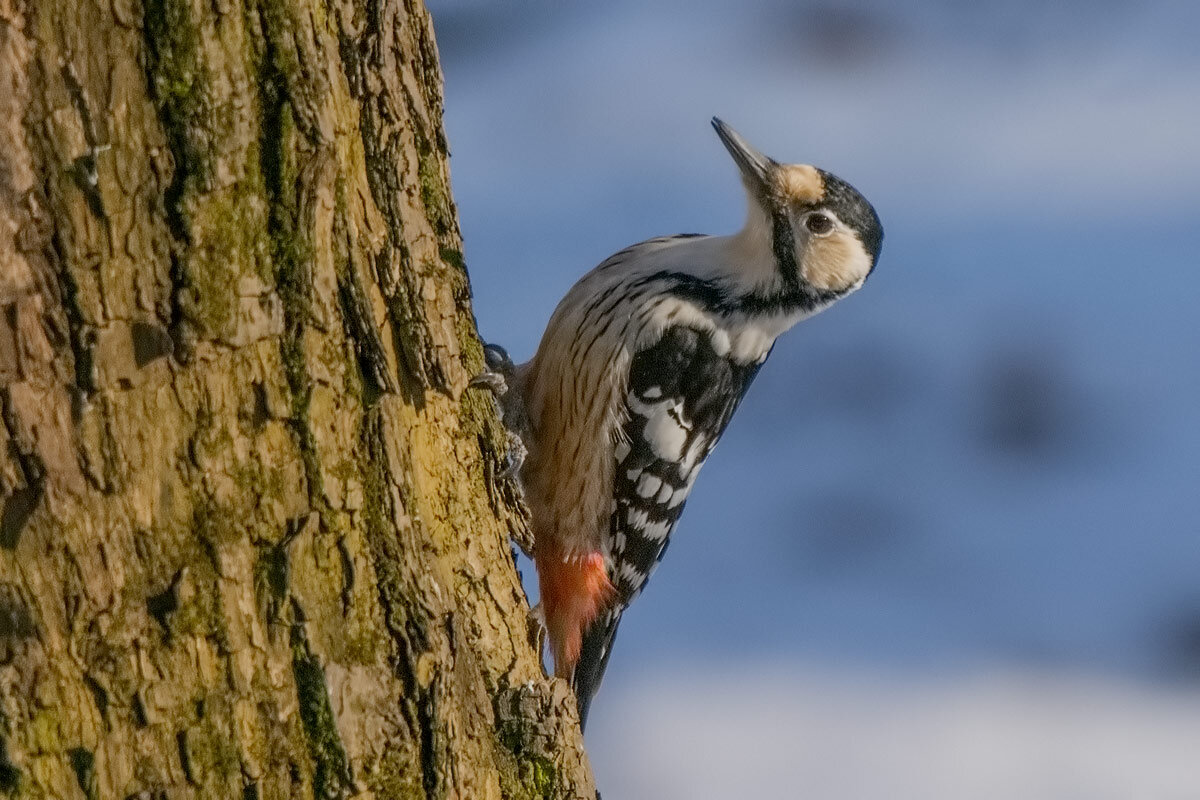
(251, 543)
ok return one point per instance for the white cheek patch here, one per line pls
(836, 263)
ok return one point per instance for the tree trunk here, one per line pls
(250, 540)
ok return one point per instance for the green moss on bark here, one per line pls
(331, 771)
(179, 81)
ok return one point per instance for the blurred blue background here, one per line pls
(949, 547)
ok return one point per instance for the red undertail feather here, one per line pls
(573, 593)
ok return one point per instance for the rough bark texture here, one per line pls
(250, 545)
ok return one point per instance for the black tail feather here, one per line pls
(593, 659)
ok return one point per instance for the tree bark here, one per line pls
(251, 543)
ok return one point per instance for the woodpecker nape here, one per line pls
(641, 367)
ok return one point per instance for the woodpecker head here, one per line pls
(823, 232)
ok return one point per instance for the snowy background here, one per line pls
(950, 545)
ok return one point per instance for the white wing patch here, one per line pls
(658, 531)
(638, 518)
(678, 496)
(681, 392)
(648, 485)
(666, 430)
(630, 573)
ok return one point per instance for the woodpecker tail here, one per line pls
(576, 597)
(593, 659)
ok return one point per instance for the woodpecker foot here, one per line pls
(500, 369)
(493, 381)
(536, 627)
(500, 378)
(514, 457)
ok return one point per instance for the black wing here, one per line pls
(681, 396)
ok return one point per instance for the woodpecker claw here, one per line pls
(500, 378)
(494, 382)
(514, 457)
(497, 377)
(537, 628)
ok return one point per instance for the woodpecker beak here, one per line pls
(756, 168)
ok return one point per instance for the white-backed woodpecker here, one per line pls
(640, 369)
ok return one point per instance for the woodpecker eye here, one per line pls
(818, 223)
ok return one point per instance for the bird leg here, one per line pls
(536, 622)
(500, 378)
